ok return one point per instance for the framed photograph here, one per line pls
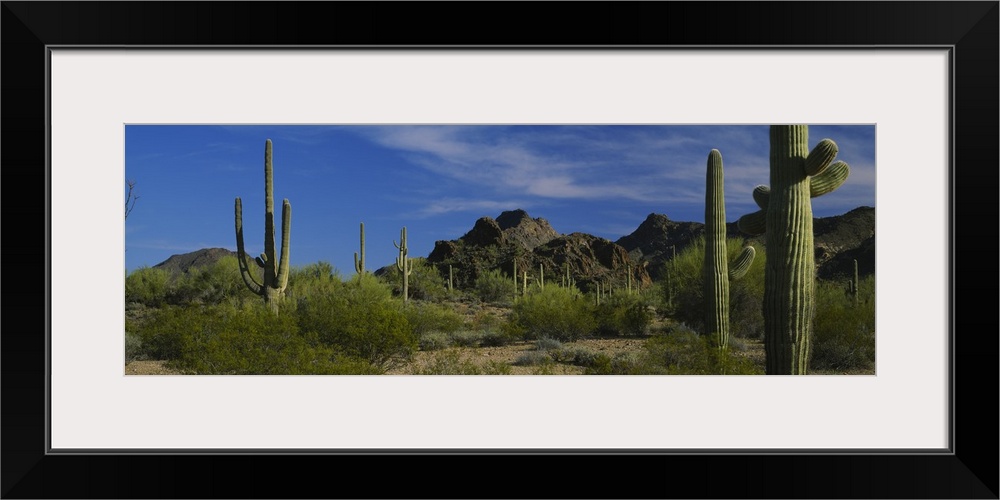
(925, 92)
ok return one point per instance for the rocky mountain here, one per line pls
(839, 240)
(514, 239)
(181, 263)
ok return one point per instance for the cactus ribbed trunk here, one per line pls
(275, 273)
(716, 269)
(404, 263)
(789, 279)
(359, 260)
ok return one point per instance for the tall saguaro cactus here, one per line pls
(797, 175)
(359, 262)
(717, 270)
(275, 278)
(404, 263)
(852, 285)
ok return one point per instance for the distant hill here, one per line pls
(181, 263)
(516, 237)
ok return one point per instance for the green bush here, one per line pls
(434, 341)
(311, 280)
(361, 319)
(494, 287)
(424, 283)
(245, 340)
(555, 312)
(134, 350)
(426, 317)
(148, 286)
(687, 353)
(687, 287)
(622, 314)
(844, 333)
(450, 362)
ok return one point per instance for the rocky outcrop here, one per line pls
(182, 263)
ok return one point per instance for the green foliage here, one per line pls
(450, 362)
(147, 286)
(494, 287)
(622, 314)
(134, 349)
(208, 285)
(362, 319)
(554, 312)
(844, 333)
(251, 340)
(427, 317)
(423, 283)
(745, 294)
(687, 353)
(317, 279)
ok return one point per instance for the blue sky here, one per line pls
(438, 179)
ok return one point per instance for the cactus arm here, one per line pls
(286, 229)
(820, 157)
(753, 223)
(829, 180)
(741, 265)
(761, 195)
(241, 255)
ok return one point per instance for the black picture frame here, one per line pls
(969, 28)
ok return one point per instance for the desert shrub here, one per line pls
(687, 289)
(547, 344)
(219, 281)
(361, 319)
(134, 350)
(494, 287)
(579, 356)
(434, 341)
(531, 358)
(450, 362)
(600, 364)
(253, 341)
(211, 284)
(687, 353)
(425, 281)
(555, 312)
(622, 314)
(494, 338)
(171, 330)
(147, 286)
(844, 333)
(466, 338)
(316, 279)
(425, 317)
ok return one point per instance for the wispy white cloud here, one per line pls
(450, 205)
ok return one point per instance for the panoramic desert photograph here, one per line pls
(409, 250)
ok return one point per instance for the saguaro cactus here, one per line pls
(359, 262)
(852, 285)
(797, 175)
(716, 269)
(404, 263)
(274, 279)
